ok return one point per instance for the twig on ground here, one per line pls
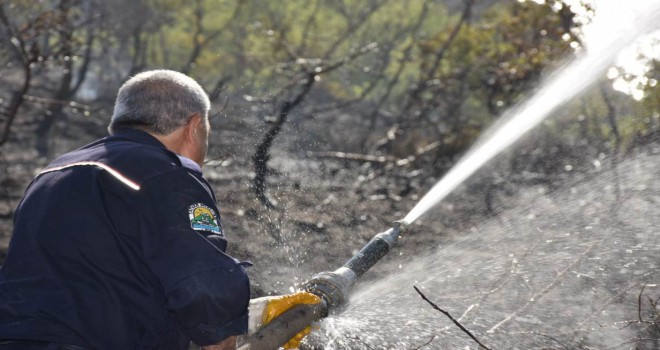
(451, 318)
(631, 341)
(639, 303)
(554, 340)
(361, 341)
(605, 305)
(545, 290)
(425, 344)
(353, 157)
(390, 160)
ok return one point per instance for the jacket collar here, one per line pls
(139, 136)
(145, 138)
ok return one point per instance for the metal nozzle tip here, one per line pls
(401, 225)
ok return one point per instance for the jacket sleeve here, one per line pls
(184, 246)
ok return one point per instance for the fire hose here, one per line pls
(333, 287)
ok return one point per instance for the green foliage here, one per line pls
(442, 82)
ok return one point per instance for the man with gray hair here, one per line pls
(119, 244)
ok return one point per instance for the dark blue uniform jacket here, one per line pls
(118, 245)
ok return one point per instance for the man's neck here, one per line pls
(173, 141)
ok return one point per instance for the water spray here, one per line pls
(334, 288)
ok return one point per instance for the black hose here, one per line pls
(333, 288)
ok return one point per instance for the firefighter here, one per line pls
(120, 245)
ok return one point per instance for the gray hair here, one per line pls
(158, 101)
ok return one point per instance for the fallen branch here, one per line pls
(425, 344)
(361, 341)
(451, 318)
(419, 152)
(606, 304)
(631, 341)
(653, 319)
(353, 157)
(639, 302)
(369, 158)
(554, 340)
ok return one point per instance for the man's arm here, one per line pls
(184, 246)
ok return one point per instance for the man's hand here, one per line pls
(264, 310)
(227, 344)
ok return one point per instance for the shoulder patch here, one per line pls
(203, 218)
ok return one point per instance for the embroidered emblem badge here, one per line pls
(202, 218)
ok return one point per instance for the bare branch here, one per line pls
(425, 344)
(18, 96)
(352, 56)
(353, 26)
(451, 318)
(201, 39)
(361, 341)
(353, 157)
(308, 26)
(606, 304)
(545, 290)
(219, 87)
(87, 58)
(392, 161)
(554, 340)
(443, 49)
(639, 303)
(50, 101)
(397, 76)
(261, 155)
(634, 340)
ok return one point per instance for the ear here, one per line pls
(193, 126)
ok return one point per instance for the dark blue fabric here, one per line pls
(96, 263)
